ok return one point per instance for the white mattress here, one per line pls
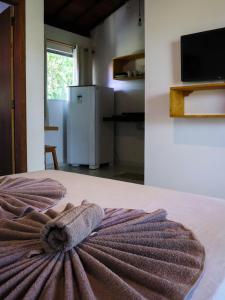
(203, 215)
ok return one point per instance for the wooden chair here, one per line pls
(52, 149)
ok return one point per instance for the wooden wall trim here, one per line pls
(20, 89)
(20, 86)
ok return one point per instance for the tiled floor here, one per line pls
(122, 173)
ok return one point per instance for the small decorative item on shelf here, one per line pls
(129, 67)
(129, 73)
(121, 75)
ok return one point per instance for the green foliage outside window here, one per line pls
(59, 75)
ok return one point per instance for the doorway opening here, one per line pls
(60, 73)
(115, 49)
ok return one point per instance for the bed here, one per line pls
(205, 216)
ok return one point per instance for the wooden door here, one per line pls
(6, 94)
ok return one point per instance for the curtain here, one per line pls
(83, 66)
(59, 47)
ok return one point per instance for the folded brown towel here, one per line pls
(132, 255)
(71, 227)
(19, 196)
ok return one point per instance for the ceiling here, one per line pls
(79, 16)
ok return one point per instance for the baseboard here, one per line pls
(131, 164)
(51, 166)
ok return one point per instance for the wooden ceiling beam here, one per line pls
(100, 20)
(86, 11)
(72, 26)
(68, 27)
(79, 27)
(61, 8)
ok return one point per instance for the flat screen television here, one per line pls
(203, 56)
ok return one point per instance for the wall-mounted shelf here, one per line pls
(130, 78)
(178, 93)
(125, 66)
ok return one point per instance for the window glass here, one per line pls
(60, 71)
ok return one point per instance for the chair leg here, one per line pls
(56, 166)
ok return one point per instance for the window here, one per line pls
(60, 74)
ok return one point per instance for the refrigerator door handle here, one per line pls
(79, 98)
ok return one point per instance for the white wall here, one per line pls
(186, 155)
(120, 35)
(35, 83)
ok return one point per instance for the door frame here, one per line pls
(20, 122)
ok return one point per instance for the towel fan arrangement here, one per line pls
(129, 254)
(19, 196)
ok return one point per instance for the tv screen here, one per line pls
(203, 56)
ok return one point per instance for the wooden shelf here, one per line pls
(128, 63)
(51, 128)
(178, 93)
(130, 78)
(218, 116)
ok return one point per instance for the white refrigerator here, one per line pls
(90, 140)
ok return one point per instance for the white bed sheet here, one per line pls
(205, 216)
